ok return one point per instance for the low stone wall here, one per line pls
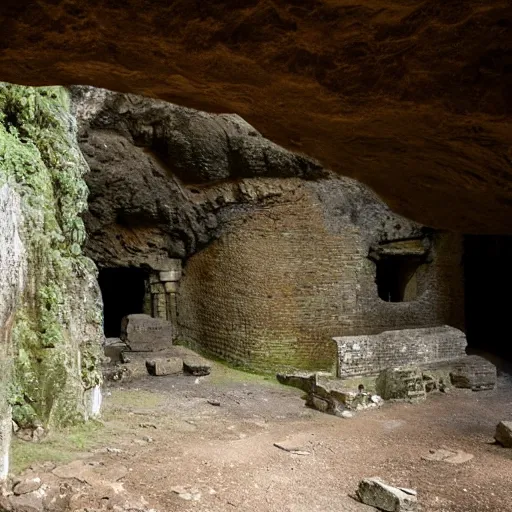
(360, 355)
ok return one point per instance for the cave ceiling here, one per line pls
(412, 97)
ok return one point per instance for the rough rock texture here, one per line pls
(57, 322)
(405, 383)
(359, 85)
(12, 269)
(468, 372)
(376, 493)
(358, 355)
(143, 333)
(150, 162)
(322, 239)
(503, 433)
(164, 366)
(316, 282)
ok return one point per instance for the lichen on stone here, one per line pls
(57, 328)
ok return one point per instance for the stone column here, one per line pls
(163, 289)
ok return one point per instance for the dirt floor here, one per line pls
(185, 454)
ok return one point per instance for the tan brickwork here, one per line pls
(273, 290)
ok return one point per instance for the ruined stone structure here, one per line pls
(369, 354)
(274, 266)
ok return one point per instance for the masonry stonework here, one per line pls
(275, 289)
(369, 354)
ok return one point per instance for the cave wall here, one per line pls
(56, 320)
(275, 248)
(271, 292)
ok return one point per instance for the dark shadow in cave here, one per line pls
(488, 289)
(123, 294)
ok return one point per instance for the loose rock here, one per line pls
(378, 494)
(503, 433)
(26, 486)
(197, 366)
(161, 366)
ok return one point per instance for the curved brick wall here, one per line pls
(273, 291)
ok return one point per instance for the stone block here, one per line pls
(164, 366)
(378, 494)
(171, 287)
(404, 383)
(359, 355)
(170, 275)
(468, 372)
(143, 333)
(503, 433)
(196, 366)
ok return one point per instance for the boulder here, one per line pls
(197, 366)
(503, 433)
(405, 383)
(378, 494)
(143, 333)
(164, 366)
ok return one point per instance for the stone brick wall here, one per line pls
(359, 355)
(281, 282)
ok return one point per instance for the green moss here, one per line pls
(61, 447)
(40, 159)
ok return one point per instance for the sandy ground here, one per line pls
(171, 439)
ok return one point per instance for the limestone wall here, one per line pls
(12, 269)
(275, 288)
(56, 324)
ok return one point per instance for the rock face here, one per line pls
(150, 162)
(358, 85)
(56, 322)
(12, 269)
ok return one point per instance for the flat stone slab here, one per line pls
(143, 333)
(447, 455)
(376, 493)
(503, 433)
(164, 366)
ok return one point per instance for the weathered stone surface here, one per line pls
(448, 455)
(376, 493)
(27, 485)
(302, 380)
(143, 333)
(503, 433)
(473, 372)
(155, 177)
(372, 353)
(469, 372)
(12, 268)
(195, 365)
(352, 83)
(164, 366)
(405, 383)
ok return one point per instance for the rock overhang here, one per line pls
(360, 86)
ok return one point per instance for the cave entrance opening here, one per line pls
(123, 292)
(488, 285)
(397, 278)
